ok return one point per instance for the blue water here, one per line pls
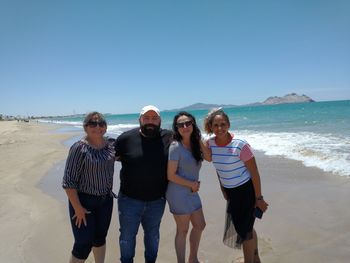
(318, 134)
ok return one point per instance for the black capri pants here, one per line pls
(240, 209)
(98, 221)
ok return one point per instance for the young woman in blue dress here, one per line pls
(185, 160)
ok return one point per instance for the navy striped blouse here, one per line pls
(90, 170)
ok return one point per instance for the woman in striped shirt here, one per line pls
(88, 181)
(240, 183)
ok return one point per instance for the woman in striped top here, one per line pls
(88, 181)
(240, 183)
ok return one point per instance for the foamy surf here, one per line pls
(120, 128)
(326, 151)
(70, 123)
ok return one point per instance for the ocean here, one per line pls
(317, 134)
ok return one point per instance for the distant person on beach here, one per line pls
(143, 153)
(185, 160)
(239, 181)
(88, 181)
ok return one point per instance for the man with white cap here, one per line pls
(143, 153)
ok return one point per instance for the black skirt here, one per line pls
(239, 214)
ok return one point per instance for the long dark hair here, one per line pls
(194, 138)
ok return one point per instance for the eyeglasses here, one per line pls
(94, 124)
(184, 124)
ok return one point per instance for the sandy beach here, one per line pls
(307, 221)
(32, 224)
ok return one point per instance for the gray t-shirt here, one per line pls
(180, 198)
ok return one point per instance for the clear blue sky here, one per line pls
(69, 56)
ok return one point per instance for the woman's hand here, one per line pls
(79, 216)
(261, 204)
(195, 186)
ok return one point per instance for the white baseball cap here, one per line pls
(149, 108)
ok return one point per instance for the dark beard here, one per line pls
(150, 130)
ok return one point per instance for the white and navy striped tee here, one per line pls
(90, 170)
(226, 160)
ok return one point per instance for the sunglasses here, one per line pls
(184, 124)
(94, 124)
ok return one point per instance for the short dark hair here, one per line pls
(208, 121)
(90, 115)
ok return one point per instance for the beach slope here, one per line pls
(307, 221)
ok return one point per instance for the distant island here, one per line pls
(289, 98)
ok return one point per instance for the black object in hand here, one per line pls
(258, 212)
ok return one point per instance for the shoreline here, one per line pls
(28, 216)
(307, 220)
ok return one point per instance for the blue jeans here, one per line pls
(132, 212)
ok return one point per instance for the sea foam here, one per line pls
(70, 123)
(114, 129)
(118, 129)
(326, 151)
